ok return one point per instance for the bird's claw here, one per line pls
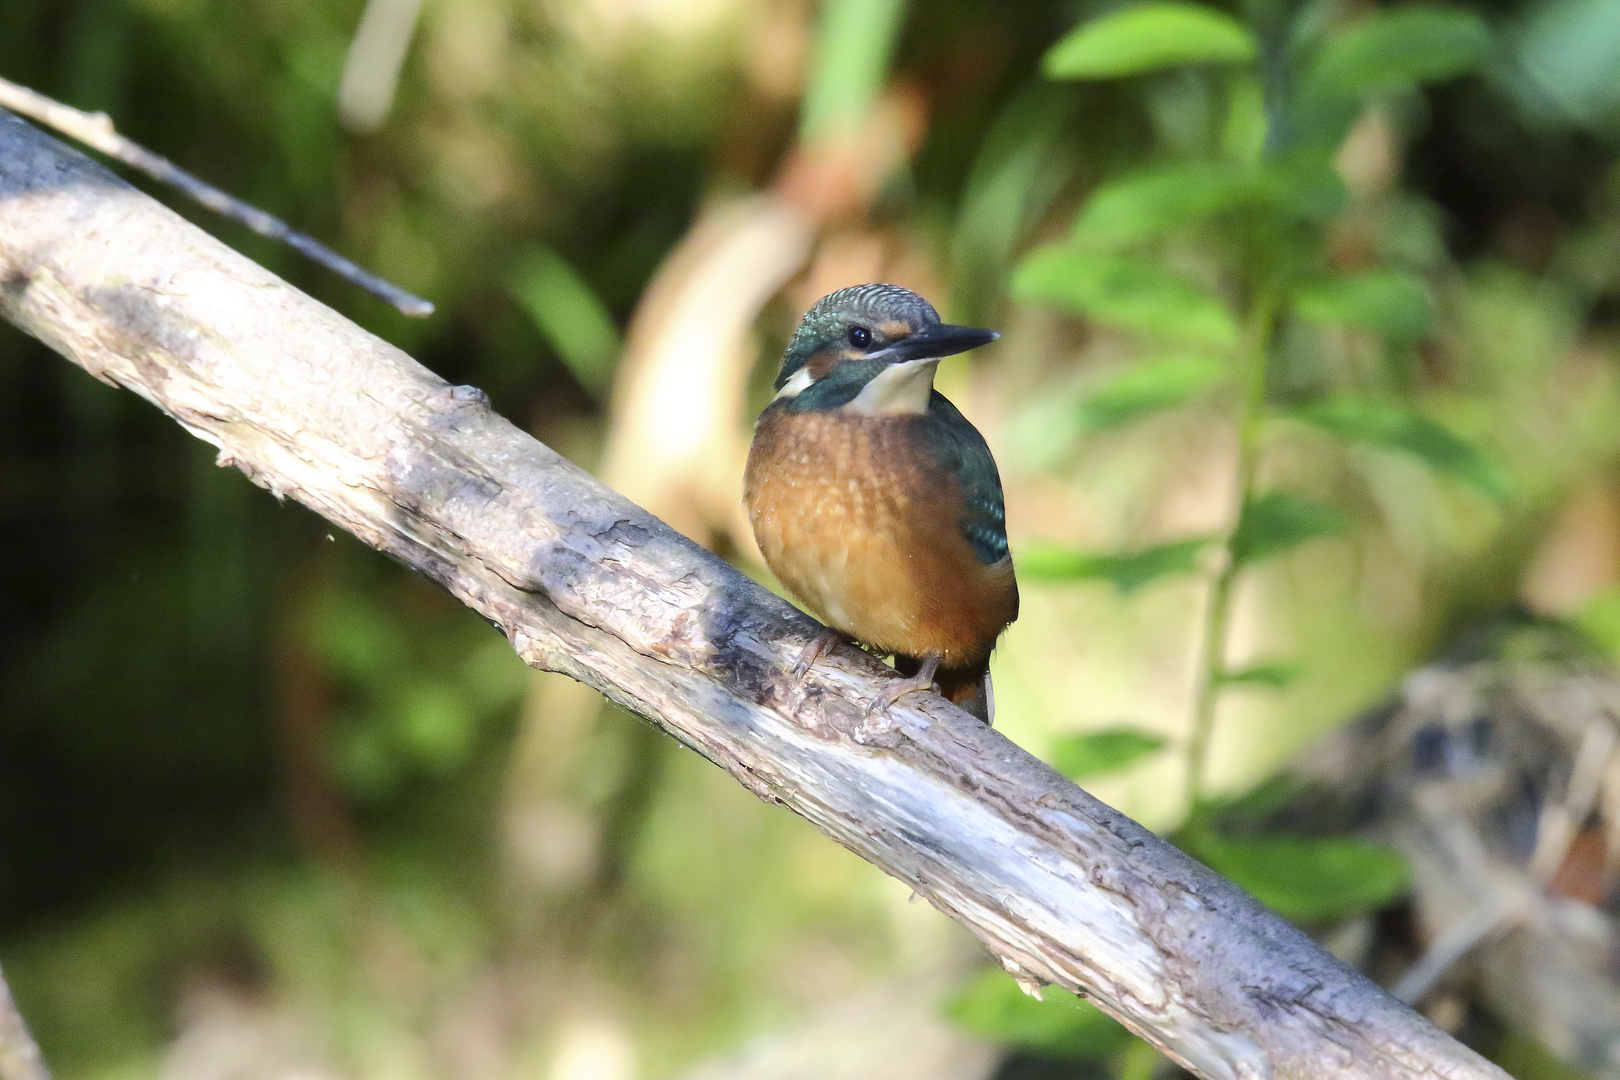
(814, 651)
(923, 680)
(894, 693)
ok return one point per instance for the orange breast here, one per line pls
(857, 520)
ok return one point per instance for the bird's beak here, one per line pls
(941, 339)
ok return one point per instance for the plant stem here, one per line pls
(1217, 615)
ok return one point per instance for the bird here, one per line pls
(876, 503)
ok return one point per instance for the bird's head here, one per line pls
(869, 349)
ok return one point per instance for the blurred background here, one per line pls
(1310, 316)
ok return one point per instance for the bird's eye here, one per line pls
(860, 337)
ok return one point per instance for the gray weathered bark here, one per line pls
(1058, 886)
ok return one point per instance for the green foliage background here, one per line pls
(1308, 308)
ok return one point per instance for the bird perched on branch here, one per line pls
(874, 500)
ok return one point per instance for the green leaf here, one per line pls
(854, 49)
(569, 314)
(1273, 675)
(993, 1006)
(1148, 37)
(1278, 521)
(1245, 126)
(1266, 801)
(1303, 185)
(1390, 426)
(1309, 879)
(1148, 387)
(1394, 303)
(1150, 203)
(1397, 49)
(1123, 291)
(1127, 572)
(1080, 756)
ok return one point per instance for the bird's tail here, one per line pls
(967, 687)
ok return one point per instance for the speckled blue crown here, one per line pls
(830, 316)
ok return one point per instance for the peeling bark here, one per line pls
(1060, 887)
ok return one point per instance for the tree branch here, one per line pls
(96, 131)
(1060, 887)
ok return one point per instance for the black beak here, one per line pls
(942, 339)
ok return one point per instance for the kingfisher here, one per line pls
(876, 503)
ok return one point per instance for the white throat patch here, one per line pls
(795, 384)
(898, 389)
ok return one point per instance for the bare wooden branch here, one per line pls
(20, 1058)
(1060, 887)
(96, 131)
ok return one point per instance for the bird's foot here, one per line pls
(814, 651)
(923, 680)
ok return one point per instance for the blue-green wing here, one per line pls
(962, 451)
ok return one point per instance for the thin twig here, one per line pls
(96, 131)
(1561, 821)
(1497, 911)
(20, 1058)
